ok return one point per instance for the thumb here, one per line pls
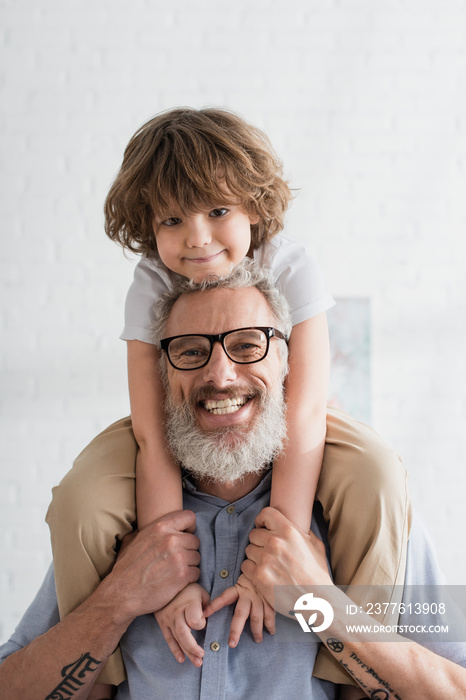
(194, 612)
(226, 598)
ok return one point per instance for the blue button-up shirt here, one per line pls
(271, 670)
(266, 670)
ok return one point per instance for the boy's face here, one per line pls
(205, 242)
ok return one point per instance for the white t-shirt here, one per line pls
(295, 270)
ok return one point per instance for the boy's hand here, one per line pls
(250, 604)
(176, 620)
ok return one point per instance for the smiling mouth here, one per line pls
(205, 259)
(224, 406)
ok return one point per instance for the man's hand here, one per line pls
(158, 563)
(176, 620)
(280, 554)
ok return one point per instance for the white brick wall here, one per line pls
(365, 103)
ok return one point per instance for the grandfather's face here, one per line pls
(225, 420)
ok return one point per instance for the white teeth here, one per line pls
(220, 408)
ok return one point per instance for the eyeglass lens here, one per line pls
(242, 346)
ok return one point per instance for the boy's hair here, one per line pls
(186, 158)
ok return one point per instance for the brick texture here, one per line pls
(365, 103)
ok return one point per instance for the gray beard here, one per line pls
(230, 453)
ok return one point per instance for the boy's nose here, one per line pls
(198, 232)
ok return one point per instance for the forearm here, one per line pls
(297, 470)
(151, 568)
(401, 671)
(158, 484)
(158, 480)
(280, 559)
(395, 669)
(69, 656)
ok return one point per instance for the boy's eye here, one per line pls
(171, 221)
(217, 213)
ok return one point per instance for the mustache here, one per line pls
(230, 452)
(206, 392)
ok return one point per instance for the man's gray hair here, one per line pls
(246, 274)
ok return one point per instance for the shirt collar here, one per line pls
(241, 504)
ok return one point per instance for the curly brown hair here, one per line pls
(188, 157)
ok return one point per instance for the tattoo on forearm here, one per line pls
(73, 677)
(335, 645)
(384, 693)
(379, 694)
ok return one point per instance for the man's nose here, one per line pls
(220, 370)
(198, 232)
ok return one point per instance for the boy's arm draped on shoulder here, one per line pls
(158, 478)
(296, 471)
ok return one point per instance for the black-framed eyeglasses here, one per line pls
(242, 345)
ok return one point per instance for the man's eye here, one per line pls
(193, 352)
(243, 347)
(245, 351)
(219, 212)
(171, 221)
(190, 357)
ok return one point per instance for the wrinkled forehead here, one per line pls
(219, 310)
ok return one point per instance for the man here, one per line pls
(162, 559)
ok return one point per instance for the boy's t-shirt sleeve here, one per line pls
(150, 281)
(297, 275)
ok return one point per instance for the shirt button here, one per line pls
(230, 510)
(224, 573)
(215, 646)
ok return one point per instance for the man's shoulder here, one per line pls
(117, 437)
(41, 615)
(422, 566)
